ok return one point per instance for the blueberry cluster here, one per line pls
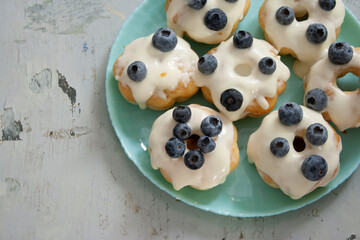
(314, 167)
(175, 147)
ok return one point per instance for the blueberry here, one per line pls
(316, 134)
(316, 99)
(340, 53)
(211, 126)
(279, 147)
(327, 5)
(175, 147)
(231, 99)
(207, 64)
(215, 19)
(314, 168)
(182, 131)
(231, 1)
(285, 15)
(316, 33)
(182, 114)
(196, 4)
(137, 71)
(290, 114)
(206, 144)
(267, 65)
(243, 39)
(194, 159)
(164, 39)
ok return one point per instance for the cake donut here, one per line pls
(206, 21)
(295, 150)
(155, 71)
(322, 93)
(193, 145)
(303, 28)
(242, 76)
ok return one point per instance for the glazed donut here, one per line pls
(193, 145)
(295, 150)
(211, 21)
(286, 27)
(155, 71)
(322, 92)
(242, 76)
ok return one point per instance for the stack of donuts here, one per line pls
(294, 149)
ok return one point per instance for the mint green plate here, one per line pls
(244, 194)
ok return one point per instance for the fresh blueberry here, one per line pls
(285, 15)
(316, 33)
(182, 131)
(243, 39)
(327, 5)
(231, 1)
(207, 64)
(279, 147)
(164, 39)
(316, 99)
(175, 147)
(290, 113)
(194, 159)
(340, 53)
(196, 4)
(215, 19)
(206, 144)
(314, 168)
(267, 65)
(316, 134)
(182, 114)
(231, 99)
(211, 126)
(137, 71)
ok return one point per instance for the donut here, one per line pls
(295, 150)
(322, 93)
(242, 76)
(211, 21)
(155, 71)
(303, 28)
(193, 146)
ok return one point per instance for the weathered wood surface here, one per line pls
(63, 173)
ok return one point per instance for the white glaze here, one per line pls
(293, 36)
(253, 86)
(286, 171)
(192, 21)
(343, 108)
(164, 69)
(217, 163)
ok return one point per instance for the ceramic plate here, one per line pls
(244, 194)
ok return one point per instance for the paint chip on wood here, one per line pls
(11, 129)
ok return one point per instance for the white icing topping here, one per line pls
(238, 69)
(286, 171)
(192, 21)
(164, 69)
(217, 163)
(343, 108)
(293, 36)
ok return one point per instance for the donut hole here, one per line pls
(349, 83)
(299, 143)
(301, 16)
(191, 142)
(243, 70)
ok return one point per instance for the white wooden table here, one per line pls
(63, 173)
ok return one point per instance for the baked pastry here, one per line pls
(303, 28)
(193, 145)
(242, 76)
(295, 150)
(323, 93)
(155, 71)
(206, 21)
